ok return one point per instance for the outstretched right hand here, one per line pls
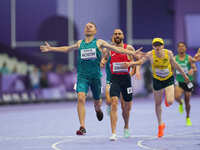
(45, 48)
(138, 50)
(139, 54)
(197, 55)
(126, 64)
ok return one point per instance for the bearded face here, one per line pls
(118, 36)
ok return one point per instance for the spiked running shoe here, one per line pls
(81, 131)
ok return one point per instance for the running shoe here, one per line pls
(126, 133)
(99, 115)
(81, 131)
(113, 137)
(188, 122)
(161, 130)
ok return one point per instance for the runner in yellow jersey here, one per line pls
(162, 61)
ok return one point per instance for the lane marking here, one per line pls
(183, 135)
(66, 139)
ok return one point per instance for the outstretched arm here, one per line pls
(135, 69)
(141, 61)
(193, 66)
(196, 57)
(130, 57)
(103, 44)
(48, 48)
(177, 66)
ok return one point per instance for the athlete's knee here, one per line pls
(122, 104)
(126, 111)
(81, 98)
(187, 105)
(127, 106)
(177, 97)
(114, 104)
(187, 96)
(122, 107)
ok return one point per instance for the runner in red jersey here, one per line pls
(120, 84)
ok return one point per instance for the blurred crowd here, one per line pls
(37, 77)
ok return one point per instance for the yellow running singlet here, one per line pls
(161, 67)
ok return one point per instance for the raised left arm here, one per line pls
(135, 69)
(103, 44)
(177, 66)
(193, 66)
(130, 57)
(196, 58)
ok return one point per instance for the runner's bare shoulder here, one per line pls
(79, 43)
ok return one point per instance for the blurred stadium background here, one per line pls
(27, 75)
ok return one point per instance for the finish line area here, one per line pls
(52, 127)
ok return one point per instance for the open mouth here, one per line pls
(117, 38)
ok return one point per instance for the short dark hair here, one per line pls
(118, 29)
(93, 24)
(182, 43)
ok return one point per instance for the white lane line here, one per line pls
(54, 146)
(183, 135)
(141, 145)
(70, 139)
(65, 139)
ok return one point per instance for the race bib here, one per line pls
(162, 72)
(75, 86)
(129, 90)
(87, 54)
(190, 85)
(118, 67)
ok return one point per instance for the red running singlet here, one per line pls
(117, 59)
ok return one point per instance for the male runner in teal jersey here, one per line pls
(189, 67)
(88, 69)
